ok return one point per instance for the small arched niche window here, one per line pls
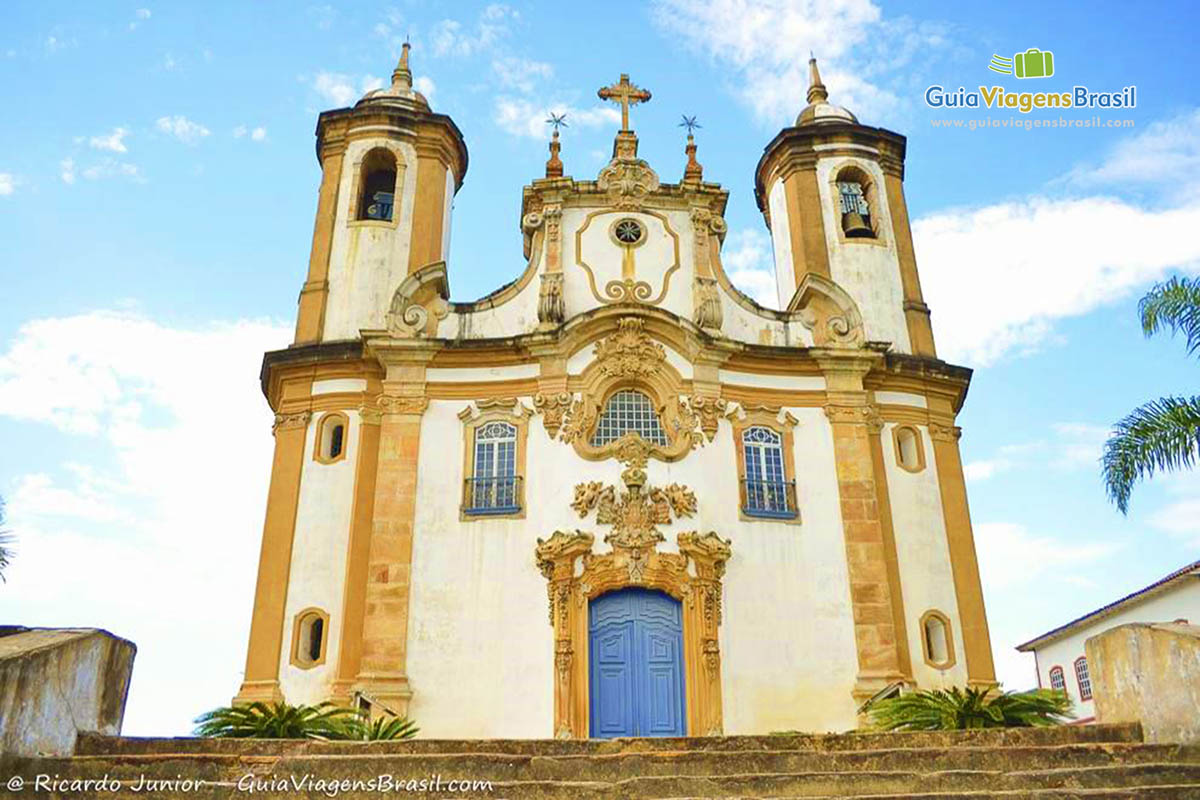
(766, 491)
(937, 642)
(1083, 678)
(332, 432)
(494, 484)
(910, 451)
(1057, 682)
(310, 635)
(629, 411)
(377, 184)
(856, 201)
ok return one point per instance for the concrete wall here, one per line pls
(57, 682)
(1180, 601)
(1149, 674)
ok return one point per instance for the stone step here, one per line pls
(615, 766)
(271, 782)
(95, 744)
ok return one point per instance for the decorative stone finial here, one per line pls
(693, 172)
(554, 165)
(402, 75)
(816, 89)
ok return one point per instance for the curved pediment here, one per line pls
(828, 311)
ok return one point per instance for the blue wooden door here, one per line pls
(636, 664)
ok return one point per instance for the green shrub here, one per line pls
(957, 709)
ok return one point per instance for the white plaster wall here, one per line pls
(926, 579)
(1181, 601)
(318, 570)
(469, 374)
(652, 258)
(335, 385)
(869, 272)
(368, 261)
(793, 382)
(902, 399)
(480, 644)
(781, 242)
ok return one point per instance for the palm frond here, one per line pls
(279, 721)
(958, 709)
(1173, 304)
(388, 728)
(6, 553)
(1162, 435)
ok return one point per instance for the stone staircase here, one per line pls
(1100, 762)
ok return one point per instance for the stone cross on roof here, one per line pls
(626, 94)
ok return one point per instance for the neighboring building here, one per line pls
(774, 519)
(1059, 656)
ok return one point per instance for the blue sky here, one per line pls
(157, 187)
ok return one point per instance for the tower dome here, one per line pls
(819, 109)
(401, 92)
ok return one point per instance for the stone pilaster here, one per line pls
(261, 680)
(964, 565)
(867, 552)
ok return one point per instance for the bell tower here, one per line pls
(390, 168)
(831, 190)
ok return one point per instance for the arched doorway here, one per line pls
(636, 669)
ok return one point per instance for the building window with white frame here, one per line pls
(629, 411)
(1057, 682)
(493, 487)
(766, 491)
(1083, 678)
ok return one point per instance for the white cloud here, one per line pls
(169, 62)
(340, 90)
(1179, 517)
(998, 277)
(66, 170)
(1166, 150)
(142, 13)
(522, 117)
(258, 134)
(108, 168)
(747, 258)
(452, 38)
(113, 142)
(425, 86)
(182, 128)
(164, 500)
(983, 469)
(8, 184)
(767, 44)
(1009, 555)
(521, 74)
(979, 266)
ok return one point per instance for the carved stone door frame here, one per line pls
(691, 576)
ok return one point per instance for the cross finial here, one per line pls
(626, 94)
(690, 123)
(557, 120)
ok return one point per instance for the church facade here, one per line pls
(615, 496)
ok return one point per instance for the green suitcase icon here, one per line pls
(1034, 63)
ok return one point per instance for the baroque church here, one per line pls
(616, 496)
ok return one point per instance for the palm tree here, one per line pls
(1164, 434)
(280, 721)
(6, 551)
(283, 721)
(955, 710)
